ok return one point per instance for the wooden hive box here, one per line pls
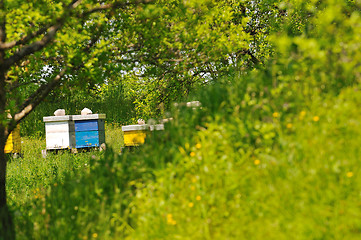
(59, 131)
(134, 135)
(89, 130)
(13, 143)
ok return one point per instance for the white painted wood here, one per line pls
(142, 127)
(57, 118)
(51, 127)
(135, 128)
(89, 116)
(157, 127)
(60, 134)
(57, 140)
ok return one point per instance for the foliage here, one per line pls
(271, 153)
(170, 46)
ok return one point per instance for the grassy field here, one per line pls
(216, 172)
(32, 178)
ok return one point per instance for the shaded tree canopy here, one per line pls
(46, 44)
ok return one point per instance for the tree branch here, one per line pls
(38, 45)
(115, 5)
(16, 84)
(26, 39)
(39, 95)
(34, 100)
(2, 30)
(34, 47)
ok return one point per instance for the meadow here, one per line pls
(219, 171)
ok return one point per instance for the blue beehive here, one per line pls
(89, 130)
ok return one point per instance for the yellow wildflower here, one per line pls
(257, 161)
(316, 118)
(275, 114)
(289, 125)
(349, 174)
(198, 145)
(170, 219)
(198, 198)
(190, 204)
(302, 114)
(192, 154)
(95, 235)
(193, 188)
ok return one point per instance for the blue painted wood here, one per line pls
(86, 125)
(87, 139)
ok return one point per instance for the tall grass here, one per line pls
(231, 169)
(304, 188)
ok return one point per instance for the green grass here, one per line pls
(32, 172)
(217, 172)
(241, 167)
(37, 185)
(306, 187)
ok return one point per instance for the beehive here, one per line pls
(134, 135)
(74, 131)
(13, 143)
(59, 132)
(89, 130)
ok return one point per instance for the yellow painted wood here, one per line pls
(13, 143)
(9, 144)
(134, 138)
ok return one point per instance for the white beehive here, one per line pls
(60, 132)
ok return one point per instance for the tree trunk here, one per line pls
(6, 223)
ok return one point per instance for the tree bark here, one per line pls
(6, 223)
(7, 231)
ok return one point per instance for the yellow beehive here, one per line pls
(134, 135)
(13, 143)
(134, 138)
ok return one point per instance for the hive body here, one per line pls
(13, 143)
(74, 131)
